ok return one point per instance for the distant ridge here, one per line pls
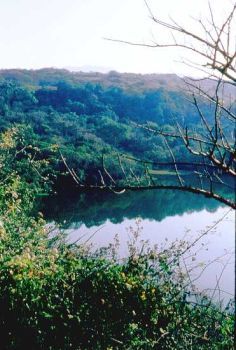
(130, 82)
(127, 81)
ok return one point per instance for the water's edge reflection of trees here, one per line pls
(93, 208)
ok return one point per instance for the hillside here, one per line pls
(130, 82)
(91, 115)
(127, 81)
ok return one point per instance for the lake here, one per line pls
(96, 217)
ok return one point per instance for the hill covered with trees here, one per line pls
(49, 288)
(90, 116)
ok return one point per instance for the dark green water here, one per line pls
(94, 208)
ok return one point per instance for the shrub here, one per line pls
(59, 296)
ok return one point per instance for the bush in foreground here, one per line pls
(58, 296)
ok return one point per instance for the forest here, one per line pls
(55, 295)
(88, 122)
(117, 190)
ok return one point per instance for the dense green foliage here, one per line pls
(56, 296)
(88, 121)
(59, 296)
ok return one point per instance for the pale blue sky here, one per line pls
(60, 33)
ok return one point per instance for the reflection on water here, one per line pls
(166, 216)
(94, 208)
(214, 250)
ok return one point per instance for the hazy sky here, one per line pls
(61, 33)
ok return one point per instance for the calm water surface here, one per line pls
(165, 216)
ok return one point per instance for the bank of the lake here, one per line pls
(166, 216)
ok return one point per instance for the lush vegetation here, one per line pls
(87, 121)
(58, 296)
